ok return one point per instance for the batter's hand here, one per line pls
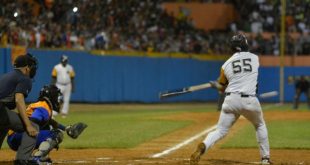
(32, 131)
(214, 84)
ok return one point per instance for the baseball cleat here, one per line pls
(195, 157)
(266, 161)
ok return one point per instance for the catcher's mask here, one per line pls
(52, 95)
(27, 60)
(239, 43)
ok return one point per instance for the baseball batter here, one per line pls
(63, 76)
(239, 76)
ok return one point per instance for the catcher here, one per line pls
(41, 113)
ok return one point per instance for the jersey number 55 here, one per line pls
(242, 65)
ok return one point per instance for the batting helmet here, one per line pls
(52, 95)
(27, 60)
(239, 43)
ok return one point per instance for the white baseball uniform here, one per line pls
(240, 74)
(63, 75)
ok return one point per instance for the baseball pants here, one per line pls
(234, 106)
(297, 97)
(11, 120)
(66, 92)
(15, 139)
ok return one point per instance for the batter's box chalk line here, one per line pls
(185, 142)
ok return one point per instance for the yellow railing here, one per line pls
(22, 50)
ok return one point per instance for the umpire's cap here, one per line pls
(27, 60)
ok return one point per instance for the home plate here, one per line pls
(255, 162)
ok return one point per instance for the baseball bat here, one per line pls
(268, 94)
(181, 91)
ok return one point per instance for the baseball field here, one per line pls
(168, 133)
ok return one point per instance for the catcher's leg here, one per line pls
(49, 144)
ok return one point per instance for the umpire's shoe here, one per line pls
(195, 157)
(25, 162)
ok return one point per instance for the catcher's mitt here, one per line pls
(75, 130)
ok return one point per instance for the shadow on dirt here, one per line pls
(226, 162)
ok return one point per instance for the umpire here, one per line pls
(301, 86)
(14, 88)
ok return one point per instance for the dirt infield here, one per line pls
(142, 153)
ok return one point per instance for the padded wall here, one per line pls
(140, 79)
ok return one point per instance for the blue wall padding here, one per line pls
(128, 79)
(140, 79)
(5, 60)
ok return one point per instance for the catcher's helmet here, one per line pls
(27, 60)
(239, 43)
(52, 95)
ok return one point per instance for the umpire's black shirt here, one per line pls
(11, 83)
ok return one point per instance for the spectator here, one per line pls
(134, 24)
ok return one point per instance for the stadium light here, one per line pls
(15, 14)
(75, 9)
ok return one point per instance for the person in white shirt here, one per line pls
(63, 77)
(238, 78)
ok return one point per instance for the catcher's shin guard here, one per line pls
(49, 144)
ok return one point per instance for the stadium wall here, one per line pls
(139, 79)
(5, 60)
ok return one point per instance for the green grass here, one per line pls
(129, 125)
(282, 134)
(284, 107)
(119, 129)
(124, 126)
